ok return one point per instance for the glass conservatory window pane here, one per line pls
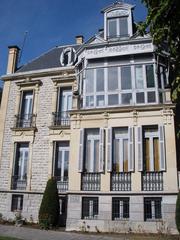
(100, 100)
(90, 81)
(112, 78)
(139, 77)
(112, 28)
(151, 97)
(126, 77)
(100, 80)
(123, 24)
(140, 97)
(90, 101)
(150, 76)
(126, 98)
(113, 99)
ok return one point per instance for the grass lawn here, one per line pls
(8, 238)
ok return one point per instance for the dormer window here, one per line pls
(117, 27)
(118, 21)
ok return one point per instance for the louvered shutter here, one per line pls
(131, 149)
(81, 150)
(162, 162)
(140, 149)
(101, 151)
(109, 150)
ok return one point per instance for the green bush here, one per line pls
(178, 212)
(49, 209)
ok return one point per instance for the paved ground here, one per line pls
(36, 234)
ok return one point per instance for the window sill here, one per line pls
(23, 129)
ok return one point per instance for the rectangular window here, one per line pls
(17, 203)
(20, 168)
(126, 78)
(120, 208)
(113, 99)
(61, 161)
(100, 80)
(150, 76)
(26, 109)
(151, 150)
(112, 78)
(139, 77)
(152, 209)
(112, 28)
(92, 150)
(21, 161)
(140, 97)
(89, 208)
(123, 27)
(120, 150)
(64, 105)
(118, 27)
(89, 81)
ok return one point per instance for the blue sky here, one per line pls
(50, 23)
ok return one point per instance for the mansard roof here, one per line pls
(50, 59)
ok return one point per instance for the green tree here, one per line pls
(49, 209)
(163, 22)
(178, 212)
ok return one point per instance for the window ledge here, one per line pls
(59, 127)
(24, 129)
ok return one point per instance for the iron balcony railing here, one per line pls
(18, 183)
(121, 181)
(90, 181)
(25, 120)
(62, 183)
(152, 181)
(61, 119)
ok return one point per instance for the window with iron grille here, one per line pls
(89, 207)
(120, 208)
(152, 209)
(17, 203)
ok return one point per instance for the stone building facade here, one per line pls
(98, 117)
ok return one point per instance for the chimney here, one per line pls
(12, 59)
(79, 39)
(101, 30)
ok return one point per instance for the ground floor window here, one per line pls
(120, 208)
(89, 207)
(152, 209)
(17, 203)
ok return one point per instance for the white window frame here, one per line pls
(92, 138)
(133, 91)
(151, 136)
(121, 138)
(21, 161)
(62, 149)
(117, 19)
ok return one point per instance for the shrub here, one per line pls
(49, 209)
(178, 212)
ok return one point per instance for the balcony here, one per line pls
(62, 183)
(61, 119)
(90, 181)
(18, 183)
(25, 121)
(152, 181)
(121, 181)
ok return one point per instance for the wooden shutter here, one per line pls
(101, 151)
(109, 150)
(81, 150)
(162, 161)
(140, 148)
(131, 149)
